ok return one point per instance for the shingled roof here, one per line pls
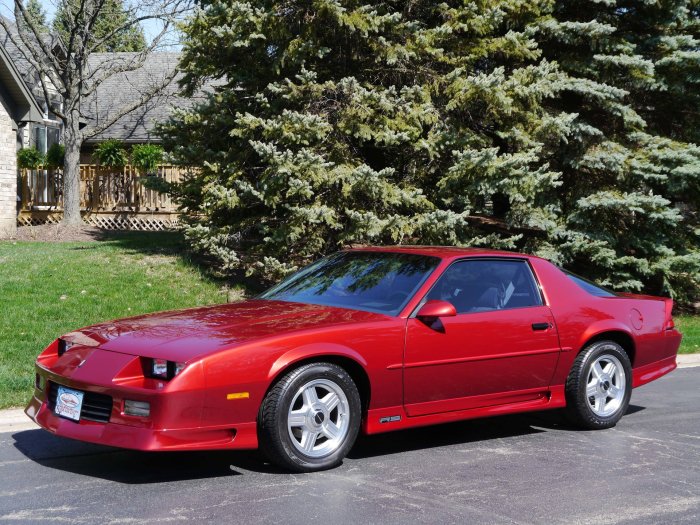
(12, 85)
(25, 69)
(118, 91)
(122, 89)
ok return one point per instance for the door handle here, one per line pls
(540, 326)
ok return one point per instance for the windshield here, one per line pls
(373, 281)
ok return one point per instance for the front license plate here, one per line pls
(69, 402)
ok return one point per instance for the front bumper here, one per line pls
(244, 436)
(175, 421)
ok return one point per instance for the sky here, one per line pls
(150, 27)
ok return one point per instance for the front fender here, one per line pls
(310, 351)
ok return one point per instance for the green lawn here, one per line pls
(47, 289)
(689, 325)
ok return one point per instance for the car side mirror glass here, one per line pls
(436, 308)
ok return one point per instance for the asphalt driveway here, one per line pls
(529, 468)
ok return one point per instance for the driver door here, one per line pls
(501, 347)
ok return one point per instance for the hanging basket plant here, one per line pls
(146, 158)
(117, 185)
(111, 154)
(30, 158)
(55, 157)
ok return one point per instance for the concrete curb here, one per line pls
(688, 360)
(15, 420)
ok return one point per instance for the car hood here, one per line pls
(184, 335)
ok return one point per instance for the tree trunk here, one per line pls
(71, 176)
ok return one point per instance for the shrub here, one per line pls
(521, 125)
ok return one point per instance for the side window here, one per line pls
(589, 286)
(486, 285)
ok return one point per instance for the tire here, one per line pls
(597, 396)
(310, 418)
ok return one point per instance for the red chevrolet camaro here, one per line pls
(371, 340)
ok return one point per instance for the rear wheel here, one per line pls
(599, 386)
(309, 420)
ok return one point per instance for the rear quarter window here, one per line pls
(589, 286)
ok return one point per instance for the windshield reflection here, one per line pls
(372, 281)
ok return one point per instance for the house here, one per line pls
(18, 110)
(41, 128)
(119, 90)
(41, 133)
(116, 91)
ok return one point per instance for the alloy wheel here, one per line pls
(319, 418)
(605, 388)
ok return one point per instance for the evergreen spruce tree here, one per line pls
(342, 122)
(498, 123)
(36, 13)
(630, 182)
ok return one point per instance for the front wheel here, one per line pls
(310, 418)
(599, 386)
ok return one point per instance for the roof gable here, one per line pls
(26, 107)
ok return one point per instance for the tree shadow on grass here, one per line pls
(173, 244)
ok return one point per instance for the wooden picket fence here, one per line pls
(109, 198)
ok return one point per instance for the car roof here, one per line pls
(444, 252)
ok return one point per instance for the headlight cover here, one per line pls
(64, 346)
(163, 369)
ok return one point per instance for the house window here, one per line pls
(46, 136)
(43, 182)
(40, 138)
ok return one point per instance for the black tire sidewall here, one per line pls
(286, 452)
(577, 400)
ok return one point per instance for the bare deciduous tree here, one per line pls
(68, 75)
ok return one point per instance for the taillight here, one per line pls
(668, 318)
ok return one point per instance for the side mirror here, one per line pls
(436, 308)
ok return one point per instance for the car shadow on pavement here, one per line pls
(464, 432)
(134, 467)
(130, 466)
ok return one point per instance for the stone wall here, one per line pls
(8, 174)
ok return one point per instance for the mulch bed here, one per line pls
(58, 233)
